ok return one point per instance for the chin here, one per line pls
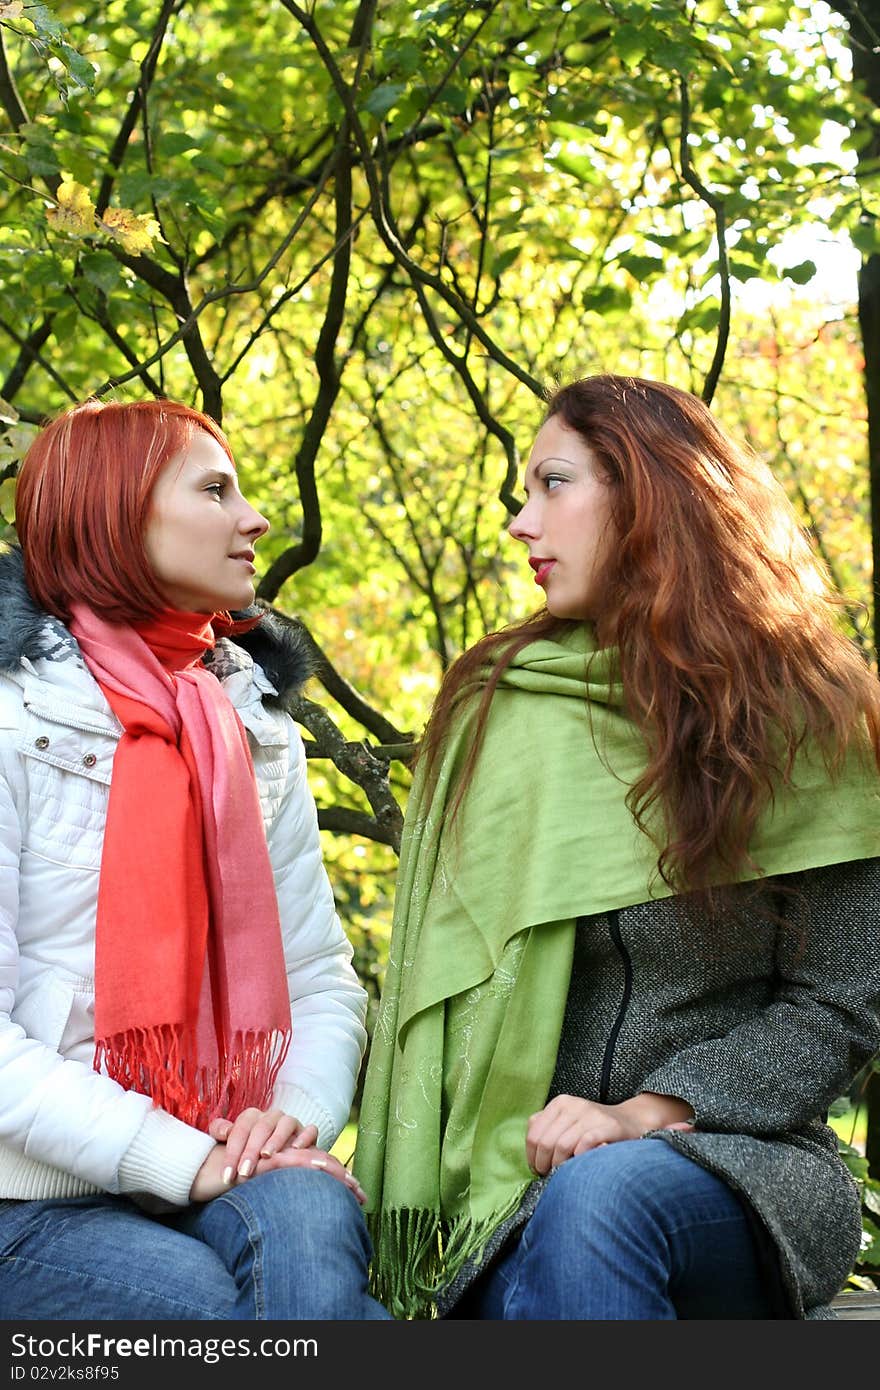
(236, 602)
(570, 612)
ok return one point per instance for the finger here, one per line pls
(315, 1158)
(568, 1143)
(541, 1130)
(305, 1139)
(286, 1128)
(271, 1130)
(250, 1122)
(328, 1164)
(549, 1140)
(543, 1160)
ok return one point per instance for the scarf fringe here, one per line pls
(152, 1061)
(418, 1254)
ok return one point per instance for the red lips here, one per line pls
(541, 567)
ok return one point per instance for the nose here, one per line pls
(252, 522)
(524, 526)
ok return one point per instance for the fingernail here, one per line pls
(244, 1170)
(319, 1163)
(265, 1153)
(227, 1175)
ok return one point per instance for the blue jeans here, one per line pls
(633, 1230)
(290, 1244)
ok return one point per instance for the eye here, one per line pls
(552, 481)
(218, 489)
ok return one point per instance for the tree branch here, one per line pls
(382, 215)
(9, 98)
(138, 100)
(716, 205)
(356, 761)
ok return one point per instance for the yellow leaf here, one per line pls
(74, 212)
(135, 233)
(7, 496)
(11, 9)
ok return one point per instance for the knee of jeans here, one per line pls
(294, 1197)
(593, 1184)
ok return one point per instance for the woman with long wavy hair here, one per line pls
(636, 944)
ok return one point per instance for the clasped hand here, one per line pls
(257, 1142)
(569, 1125)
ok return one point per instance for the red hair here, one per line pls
(82, 499)
(731, 654)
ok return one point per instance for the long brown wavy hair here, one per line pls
(731, 651)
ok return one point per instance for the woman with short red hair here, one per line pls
(181, 1026)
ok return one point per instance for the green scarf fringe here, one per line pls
(417, 1254)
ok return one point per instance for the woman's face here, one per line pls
(566, 522)
(200, 531)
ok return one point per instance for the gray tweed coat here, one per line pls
(760, 1021)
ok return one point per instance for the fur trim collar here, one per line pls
(277, 645)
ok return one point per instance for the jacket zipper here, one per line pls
(607, 1060)
(71, 722)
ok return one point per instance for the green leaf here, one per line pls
(176, 142)
(630, 45)
(521, 79)
(801, 273)
(80, 69)
(47, 271)
(45, 22)
(855, 1162)
(101, 270)
(207, 164)
(865, 237)
(382, 98)
(133, 190)
(703, 317)
(642, 267)
(607, 299)
(503, 260)
(406, 57)
(744, 270)
(578, 166)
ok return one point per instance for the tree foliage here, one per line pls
(367, 235)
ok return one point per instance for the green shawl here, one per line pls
(469, 1022)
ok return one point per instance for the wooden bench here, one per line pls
(855, 1303)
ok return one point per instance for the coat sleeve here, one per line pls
(328, 1004)
(784, 1066)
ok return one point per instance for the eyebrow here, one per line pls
(215, 471)
(549, 458)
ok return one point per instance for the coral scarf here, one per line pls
(191, 1003)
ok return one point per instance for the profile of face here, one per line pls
(566, 521)
(201, 532)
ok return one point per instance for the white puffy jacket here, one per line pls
(65, 1129)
